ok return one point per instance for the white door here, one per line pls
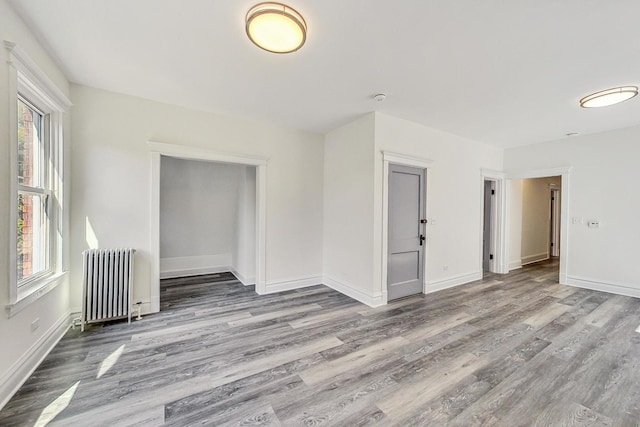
(405, 269)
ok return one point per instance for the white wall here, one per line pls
(454, 197)
(353, 203)
(348, 208)
(199, 204)
(603, 186)
(112, 180)
(23, 348)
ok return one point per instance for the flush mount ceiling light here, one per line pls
(608, 97)
(276, 27)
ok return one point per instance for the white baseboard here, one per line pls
(514, 265)
(194, 265)
(610, 287)
(535, 258)
(22, 369)
(562, 278)
(450, 282)
(503, 268)
(356, 294)
(194, 272)
(245, 280)
(274, 286)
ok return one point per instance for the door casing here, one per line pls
(388, 158)
(411, 245)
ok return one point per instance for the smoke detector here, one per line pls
(380, 97)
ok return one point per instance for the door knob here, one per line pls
(422, 239)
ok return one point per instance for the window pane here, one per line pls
(32, 234)
(30, 146)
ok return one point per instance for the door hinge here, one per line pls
(493, 192)
(491, 256)
(551, 243)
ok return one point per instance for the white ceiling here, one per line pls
(505, 72)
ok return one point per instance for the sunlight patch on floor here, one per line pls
(109, 361)
(57, 406)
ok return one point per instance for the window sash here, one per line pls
(35, 243)
(40, 237)
(42, 166)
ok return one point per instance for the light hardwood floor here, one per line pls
(513, 350)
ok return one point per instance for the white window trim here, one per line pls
(26, 78)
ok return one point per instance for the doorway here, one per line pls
(207, 218)
(159, 149)
(489, 219)
(406, 231)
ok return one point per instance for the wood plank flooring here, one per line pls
(512, 350)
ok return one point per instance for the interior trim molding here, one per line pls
(537, 173)
(196, 153)
(530, 259)
(406, 159)
(245, 280)
(22, 369)
(516, 264)
(46, 285)
(565, 173)
(388, 158)
(451, 282)
(159, 149)
(287, 285)
(194, 265)
(350, 291)
(194, 271)
(23, 63)
(598, 285)
(499, 222)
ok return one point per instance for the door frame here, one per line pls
(158, 149)
(555, 226)
(491, 247)
(388, 158)
(564, 172)
(499, 236)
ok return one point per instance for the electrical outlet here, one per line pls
(35, 324)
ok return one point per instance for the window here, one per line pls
(34, 192)
(37, 180)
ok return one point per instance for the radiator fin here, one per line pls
(107, 284)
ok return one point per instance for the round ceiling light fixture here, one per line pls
(276, 27)
(608, 97)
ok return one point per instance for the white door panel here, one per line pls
(405, 269)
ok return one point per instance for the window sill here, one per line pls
(35, 292)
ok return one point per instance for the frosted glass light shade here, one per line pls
(608, 97)
(276, 27)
